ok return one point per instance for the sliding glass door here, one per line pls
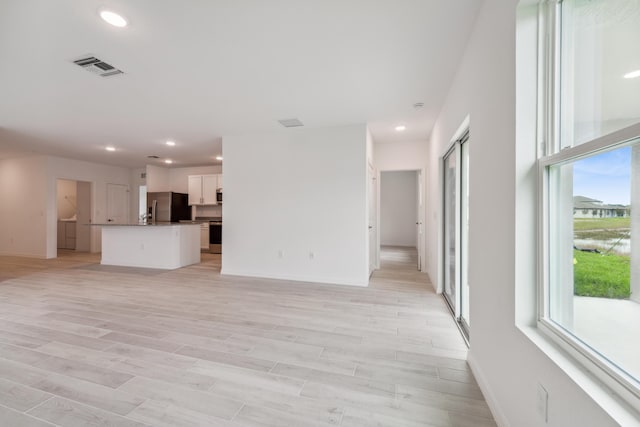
(450, 228)
(464, 319)
(456, 231)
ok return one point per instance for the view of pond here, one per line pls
(613, 240)
(615, 246)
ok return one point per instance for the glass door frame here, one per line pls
(459, 148)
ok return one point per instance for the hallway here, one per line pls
(81, 342)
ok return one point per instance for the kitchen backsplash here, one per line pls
(208, 211)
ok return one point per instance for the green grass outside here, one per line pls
(580, 224)
(597, 275)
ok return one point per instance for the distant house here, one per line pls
(585, 207)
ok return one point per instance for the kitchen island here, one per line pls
(162, 245)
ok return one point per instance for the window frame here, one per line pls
(550, 153)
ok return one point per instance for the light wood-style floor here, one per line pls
(88, 345)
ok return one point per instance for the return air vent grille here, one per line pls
(97, 66)
(290, 123)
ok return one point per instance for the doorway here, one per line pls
(373, 214)
(455, 231)
(401, 211)
(73, 204)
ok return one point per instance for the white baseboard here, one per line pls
(22, 255)
(494, 407)
(294, 278)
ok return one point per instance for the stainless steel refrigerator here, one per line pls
(167, 206)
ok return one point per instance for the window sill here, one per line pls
(602, 395)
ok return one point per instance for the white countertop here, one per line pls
(149, 224)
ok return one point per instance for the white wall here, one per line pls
(299, 191)
(401, 156)
(158, 179)
(398, 208)
(66, 198)
(23, 210)
(503, 356)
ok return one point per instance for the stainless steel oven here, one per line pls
(219, 196)
(215, 237)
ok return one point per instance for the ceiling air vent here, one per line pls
(290, 123)
(97, 66)
(153, 157)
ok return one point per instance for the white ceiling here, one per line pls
(199, 69)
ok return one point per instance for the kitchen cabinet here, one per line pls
(167, 246)
(66, 234)
(220, 181)
(202, 189)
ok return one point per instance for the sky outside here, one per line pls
(605, 177)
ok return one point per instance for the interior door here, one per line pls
(117, 203)
(373, 214)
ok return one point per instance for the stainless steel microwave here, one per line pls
(219, 195)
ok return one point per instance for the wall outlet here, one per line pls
(542, 403)
(280, 253)
(312, 255)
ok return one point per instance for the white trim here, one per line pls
(611, 403)
(611, 140)
(498, 415)
(615, 379)
(553, 154)
(311, 280)
(462, 129)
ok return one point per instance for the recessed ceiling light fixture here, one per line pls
(632, 74)
(401, 128)
(113, 18)
(168, 161)
(171, 143)
(110, 148)
(218, 157)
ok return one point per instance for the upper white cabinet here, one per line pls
(220, 181)
(209, 186)
(202, 189)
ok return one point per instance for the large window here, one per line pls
(590, 187)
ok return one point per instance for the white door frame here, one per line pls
(421, 173)
(373, 175)
(460, 137)
(53, 235)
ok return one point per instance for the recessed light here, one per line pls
(168, 161)
(632, 75)
(400, 128)
(113, 18)
(171, 143)
(110, 148)
(218, 157)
